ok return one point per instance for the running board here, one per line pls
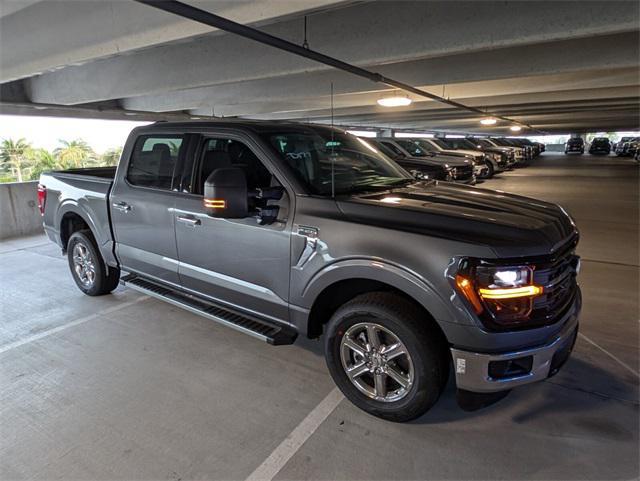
(265, 330)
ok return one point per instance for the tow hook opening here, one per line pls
(510, 368)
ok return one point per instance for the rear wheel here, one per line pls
(89, 271)
(385, 358)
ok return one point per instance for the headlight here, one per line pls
(503, 295)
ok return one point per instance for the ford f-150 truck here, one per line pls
(280, 230)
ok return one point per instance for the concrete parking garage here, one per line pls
(127, 387)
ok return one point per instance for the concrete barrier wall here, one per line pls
(19, 213)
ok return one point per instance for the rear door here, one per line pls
(142, 202)
(234, 261)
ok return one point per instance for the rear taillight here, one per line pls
(42, 198)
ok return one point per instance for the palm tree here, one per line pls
(43, 160)
(74, 153)
(111, 156)
(14, 155)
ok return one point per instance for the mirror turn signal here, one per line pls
(215, 203)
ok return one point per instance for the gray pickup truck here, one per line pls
(280, 230)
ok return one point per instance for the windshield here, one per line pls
(461, 144)
(319, 157)
(440, 143)
(482, 143)
(414, 147)
(382, 148)
(502, 142)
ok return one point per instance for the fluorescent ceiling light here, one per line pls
(515, 128)
(412, 134)
(362, 133)
(488, 121)
(394, 101)
(454, 136)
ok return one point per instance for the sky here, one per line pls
(45, 132)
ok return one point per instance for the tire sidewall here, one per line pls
(427, 384)
(492, 169)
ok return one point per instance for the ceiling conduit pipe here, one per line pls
(221, 23)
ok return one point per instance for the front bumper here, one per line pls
(473, 369)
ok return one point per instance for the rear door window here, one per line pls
(153, 162)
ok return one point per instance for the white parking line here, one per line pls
(294, 441)
(55, 330)
(622, 363)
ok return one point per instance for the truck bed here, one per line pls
(79, 195)
(108, 173)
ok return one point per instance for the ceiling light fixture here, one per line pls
(515, 128)
(488, 121)
(395, 101)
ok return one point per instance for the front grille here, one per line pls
(558, 278)
(462, 173)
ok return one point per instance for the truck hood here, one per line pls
(440, 160)
(473, 153)
(457, 153)
(511, 225)
(505, 150)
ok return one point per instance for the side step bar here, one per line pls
(268, 331)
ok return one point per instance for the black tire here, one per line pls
(105, 279)
(490, 170)
(427, 348)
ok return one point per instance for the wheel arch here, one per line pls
(71, 221)
(341, 283)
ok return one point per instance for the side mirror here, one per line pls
(225, 194)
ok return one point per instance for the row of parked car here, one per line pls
(627, 146)
(462, 160)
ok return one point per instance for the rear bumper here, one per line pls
(473, 370)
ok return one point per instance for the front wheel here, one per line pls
(490, 170)
(385, 356)
(88, 269)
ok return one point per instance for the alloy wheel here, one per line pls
(376, 362)
(84, 265)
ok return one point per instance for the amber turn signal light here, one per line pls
(215, 203)
(466, 288)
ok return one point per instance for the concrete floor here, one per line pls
(127, 387)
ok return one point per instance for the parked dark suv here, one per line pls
(456, 169)
(627, 146)
(498, 159)
(574, 145)
(600, 146)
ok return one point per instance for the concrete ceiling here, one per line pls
(558, 66)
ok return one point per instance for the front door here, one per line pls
(142, 204)
(233, 261)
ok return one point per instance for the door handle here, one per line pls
(121, 206)
(188, 220)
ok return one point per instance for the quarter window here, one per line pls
(153, 161)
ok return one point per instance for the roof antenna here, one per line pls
(333, 183)
(305, 44)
